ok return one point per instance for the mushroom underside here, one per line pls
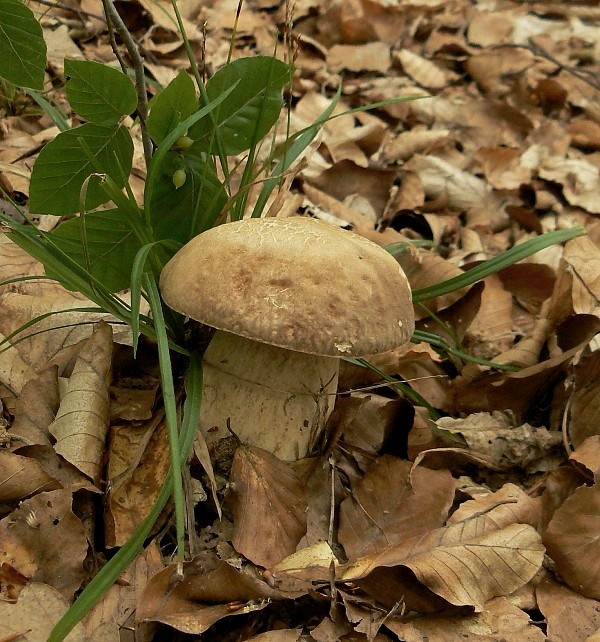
(269, 397)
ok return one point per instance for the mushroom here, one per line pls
(288, 297)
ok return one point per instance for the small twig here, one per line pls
(138, 66)
(585, 75)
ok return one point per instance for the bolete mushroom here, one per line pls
(289, 297)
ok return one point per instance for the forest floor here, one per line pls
(482, 524)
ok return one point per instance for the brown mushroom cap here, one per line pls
(295, 283)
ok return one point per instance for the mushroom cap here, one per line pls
(295, 283)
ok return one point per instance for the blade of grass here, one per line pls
(497, 263)
(168, 391)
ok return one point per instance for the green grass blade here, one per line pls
(497, 263)
(50, 110)
(168, 391)
(406, 390)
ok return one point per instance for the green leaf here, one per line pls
(64, 164)
(250, 110)
(176, 102)
(22, 46)
(182, 213)
(108, 241)
(99, 93)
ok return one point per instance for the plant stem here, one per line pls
(138, 67)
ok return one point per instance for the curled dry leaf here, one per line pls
(44, 541)
(82, 420)
(493, 436)
(405, 145)
(573, 543)
(14, 372)
(423, 71)
(34, 615)
(386, 506)
(269, 506)
(210, 590)
(580, 180)
(311, 564)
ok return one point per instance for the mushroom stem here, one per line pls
(274, 398)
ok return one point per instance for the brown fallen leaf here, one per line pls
(386, 506)
(373, 56)
(45, 541)
(423, 71)
(583, 257)
(572, 540)
(138, 462)
(584, 403)
(34, 615)
(464, 572)
(21, 477)
(269, 506)
(570, 616)
(82, 420)
(500, 620)
(210, 590)
(494, 437)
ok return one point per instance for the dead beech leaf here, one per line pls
(484, 567)
(14, 372)
(211, 589)
(373, 56)
(583, 255)
(36, 408)
(138, 462)
(502, 167)
(386, 506)
(423, 71)
(585, 400)
(116, 610)
(499, 620)
(405, 145)
(572, 540)
(82, 420)
(21, 477)
(587, 456)
(509, 505)
(44, 541)
(463, 190)
(464, 572)
(268, 504)
(310, 564)
(579, 178)
(570, 616)
(493, 436)
(34, 615)
(278, 635)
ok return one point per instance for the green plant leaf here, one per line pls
(110, 242)
(22, 46)
(176, 102)
(173, 211)
(98, 93)
(250, 110)
(64, 164)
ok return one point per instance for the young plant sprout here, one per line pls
(289, 297)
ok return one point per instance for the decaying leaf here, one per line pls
(269, 506)
(34, 615)
(82, 420)
(387, 506)
(572, 540)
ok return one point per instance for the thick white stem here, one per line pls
(273, 398)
